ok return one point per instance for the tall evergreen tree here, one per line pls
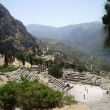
(22, 58)
(30, 57)
(6, 59)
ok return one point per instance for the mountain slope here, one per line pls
(44, 31)
(88, 37)
(13, 34)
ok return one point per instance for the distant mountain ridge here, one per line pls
(43, 31)
(88, 37)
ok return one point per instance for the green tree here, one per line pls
(7, 96)
(22, 58)
(31, 60)
(55, 71)
(6, 59)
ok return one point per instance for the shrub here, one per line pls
(55, 71)
(7, 68)
(7, 96)
(28, 95)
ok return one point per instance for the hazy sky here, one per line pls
(55, 12)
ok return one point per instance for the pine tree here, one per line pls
(31, 62)
(6, 59)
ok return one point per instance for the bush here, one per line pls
(28, 95)
(68, 100)
(55, 71)
(7, 96)
(7, 68)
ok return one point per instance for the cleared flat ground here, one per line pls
(86, 93)
(94, 97)
(102, 104)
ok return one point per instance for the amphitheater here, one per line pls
(23, 73)
(52, 82)
(55, 83)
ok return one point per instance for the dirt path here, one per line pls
(74, 107)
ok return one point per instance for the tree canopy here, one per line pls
(55, 71)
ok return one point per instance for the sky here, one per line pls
(55, 12)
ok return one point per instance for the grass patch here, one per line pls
(7, 68)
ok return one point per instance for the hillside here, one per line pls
(88, 37)
(82, 42)
(43, 31)
(13, 34)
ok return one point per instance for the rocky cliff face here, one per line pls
(13, 34)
